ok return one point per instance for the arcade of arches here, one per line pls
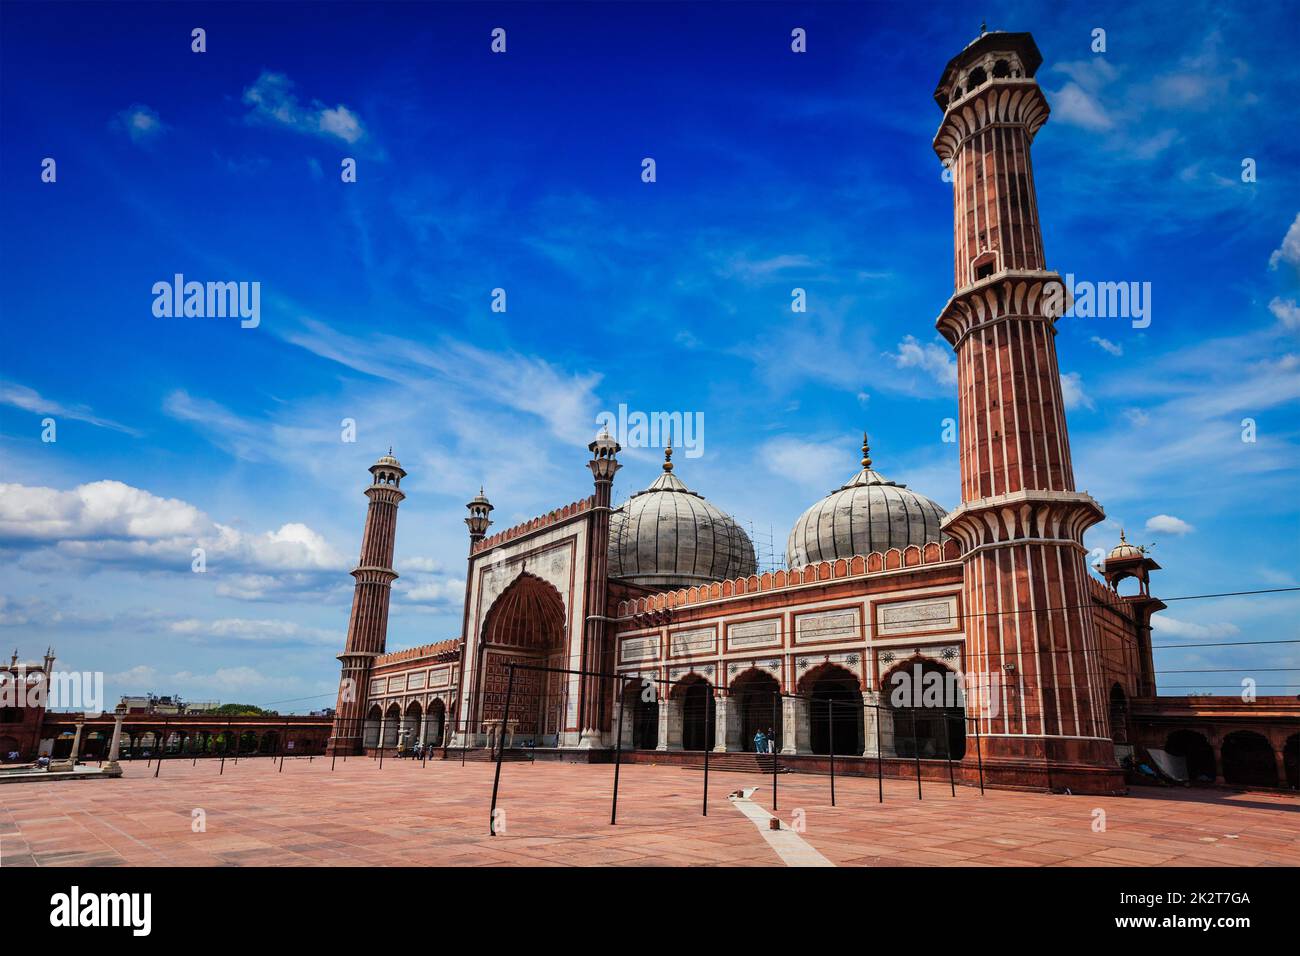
(402, 730)
(829, 711)
(1244, 757)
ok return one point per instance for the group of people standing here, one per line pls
(764, 742)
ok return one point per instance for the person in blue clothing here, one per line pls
(760, 742)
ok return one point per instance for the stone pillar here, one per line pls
(794, 726)
(76, 743)
(627, 715)
(383, 719)
(115, 744)
(674, 710)
(725, 718)
(424, 722)
(663, 724)
(871, 699)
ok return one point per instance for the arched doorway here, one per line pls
(757, 698)
(1194, 749)
(1118, 715)
(929, 710)
(695, 695)
(269, 744)
(1291, 761)
(526, 624)
(834, 710)
(641, 700)
(410, 732)
(1248, 759)
(370, 729)
(9, 745)
(392, 724)
(435, 723)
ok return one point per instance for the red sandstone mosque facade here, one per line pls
(663, 592)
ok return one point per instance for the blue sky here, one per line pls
(523, 171)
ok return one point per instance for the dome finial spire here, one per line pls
(668, 456)
(866, 452)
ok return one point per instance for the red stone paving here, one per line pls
(558, 815)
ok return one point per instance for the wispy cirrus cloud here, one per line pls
(273, 102)
(30, 400)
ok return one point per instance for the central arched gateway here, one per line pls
(757, 697)
(695, 697)
(834, 711)
(526, 624)
(928, 705)
(641, 703)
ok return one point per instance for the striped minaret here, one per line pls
(368, 625)
(1031, 640)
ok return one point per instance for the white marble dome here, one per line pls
(668, 536)
(868, 514)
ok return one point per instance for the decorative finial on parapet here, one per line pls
(668, 457)
(866, 452)
(983, 28)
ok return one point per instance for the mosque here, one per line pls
(648, 628)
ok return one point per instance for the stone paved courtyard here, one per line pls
(558, 814)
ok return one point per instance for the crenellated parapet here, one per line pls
(449, 650)
(534, 524)
(859, 566)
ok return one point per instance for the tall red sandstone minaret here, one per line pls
(597, 655)
(1030, 631)
(368, 625)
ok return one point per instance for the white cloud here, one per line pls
(1168, 524)
(110, 521)
(1286, 311)
(1109, 346)
(274, 101)
(244, 629)
(930, 357)
(141, 123)
(29, 400)
(1072, 105)
(1166, 626)
(1289, 251)
(820, 465)
(1072, 391)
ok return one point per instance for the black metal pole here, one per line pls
(162, 750)
(880, 759)
(772, 745)
(501, 740)
(284, 732)
(947, 739)
(916, 754)
(224, 749)
(979, 756)
(618, 760)
(830, 721)
(237, 736)
(704, 811)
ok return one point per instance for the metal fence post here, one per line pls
(618, 759)
(501, 744)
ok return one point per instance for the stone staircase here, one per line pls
(486, 755)
(736, 763)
